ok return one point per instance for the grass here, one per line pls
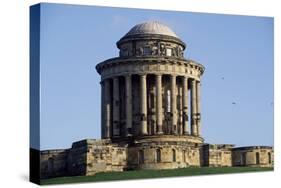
(144, 174)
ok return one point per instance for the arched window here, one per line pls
(174, 155)
(257, 158)
(141, 157)
(269, 157)
(158, 156)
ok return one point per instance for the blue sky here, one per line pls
(237, 52)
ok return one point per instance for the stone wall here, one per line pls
(256, 156)
(85, 157)
(163, 155)
(88, 157)
(77, 158)
(216, 155)
(104, 156)
(53, 163)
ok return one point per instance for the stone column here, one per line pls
(174, 103)
(198, 102)
(143, 105)
(116, 107)
(180, 110)
(193, 108)
(185, 105)
(128, 104)
(153, 123)
(107, 106)
(102, 110)
(159, 110)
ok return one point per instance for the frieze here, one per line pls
(151, 48)
(149, 67)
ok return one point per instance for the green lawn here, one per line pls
(142, 174)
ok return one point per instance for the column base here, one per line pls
(144, 134)
(159, 133)
(128, 132)
(194, 135)
(143, 130)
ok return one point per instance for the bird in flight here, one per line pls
(233, 102)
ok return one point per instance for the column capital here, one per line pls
(127, 75)
(158, 74)
(106, 79)
(142, 75)
(115, 77)
(173, 76)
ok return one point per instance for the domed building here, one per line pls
(150, 114)
(151, 98)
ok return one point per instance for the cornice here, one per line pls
(149, 59)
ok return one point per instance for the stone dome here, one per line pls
(151, 27)
(151, 38)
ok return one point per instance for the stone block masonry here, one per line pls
(150, 114)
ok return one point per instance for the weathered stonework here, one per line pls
(165, 152)
(216, 155)
(261, 156)
(150, 114)
(85, 157)
(88, 157)
(53, 163)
